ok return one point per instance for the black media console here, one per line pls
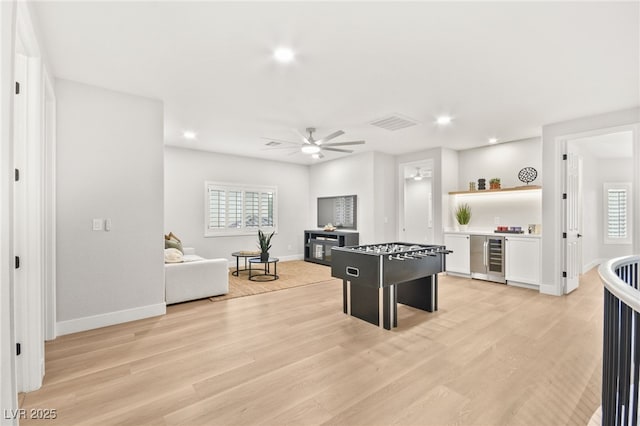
(317, 244)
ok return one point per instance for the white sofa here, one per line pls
(195, 278)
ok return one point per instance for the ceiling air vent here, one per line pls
(394, 122)
(273, 143)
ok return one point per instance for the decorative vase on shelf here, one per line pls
(463, 228)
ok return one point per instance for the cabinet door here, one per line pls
(458, 261)
(522, 258)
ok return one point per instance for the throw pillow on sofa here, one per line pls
(172, 255)
(171, 241)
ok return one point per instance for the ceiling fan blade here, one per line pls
(275, 148)
(343, 143)
(337, 150)
(331, 136)
(281, 140)
(304, 138)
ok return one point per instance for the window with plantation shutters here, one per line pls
(217, 208)
(239, 209)
(617, 206)
(234, 209)
(252, 209)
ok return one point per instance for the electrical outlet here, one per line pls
(97, 224)
(289, 247)
(496, 220)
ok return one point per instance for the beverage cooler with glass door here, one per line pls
(487, 258)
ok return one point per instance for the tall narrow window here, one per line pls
(617, 213)
(239, 209)
(217, 208)
(234, 209)
(252, 209)
(266, 209)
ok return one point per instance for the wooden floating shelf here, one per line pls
(488, 191)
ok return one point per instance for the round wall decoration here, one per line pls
(528, 175)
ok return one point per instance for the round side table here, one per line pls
(246, 255)
(266, 275)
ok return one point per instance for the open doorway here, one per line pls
(607, 163)
(598, 213)
(417, 207)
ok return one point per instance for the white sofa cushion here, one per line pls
(195, 278)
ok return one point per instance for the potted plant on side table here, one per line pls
(463, 216)
(264, 241)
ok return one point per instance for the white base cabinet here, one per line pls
(458, 261)
(522, 260)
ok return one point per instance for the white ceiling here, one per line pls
(500, 69)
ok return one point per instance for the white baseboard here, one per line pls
(524, 285)
(592, 264)
(551, 289)
(110, 318)
(291, 257)
(458, 274)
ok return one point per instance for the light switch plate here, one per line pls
(97, 224)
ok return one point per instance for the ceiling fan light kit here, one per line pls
(315, 147)
(310, 149)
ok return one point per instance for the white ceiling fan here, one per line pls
(314, 147)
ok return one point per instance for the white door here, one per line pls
(418, 226)
(571, 222)
(19, 213)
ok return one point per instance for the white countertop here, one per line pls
(486, 232)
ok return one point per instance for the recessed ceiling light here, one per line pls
(443, 120)
(493, 140)
(188, 134)
(310, 149)
(283, 55)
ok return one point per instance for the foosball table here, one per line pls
(376, 277)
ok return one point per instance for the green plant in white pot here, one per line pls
(463, 216)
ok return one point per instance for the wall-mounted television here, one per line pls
(341, 211)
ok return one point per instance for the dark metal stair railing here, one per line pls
(621, 341)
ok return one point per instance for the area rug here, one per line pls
(292, 273)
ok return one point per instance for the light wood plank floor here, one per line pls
(492, 355)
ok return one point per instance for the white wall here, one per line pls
(489, 210)
(450, 165)
(503, 160)
(185, 173)
(353, 174)
(8, 391)
(110, 165)
(385, 197)
(552, 136)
